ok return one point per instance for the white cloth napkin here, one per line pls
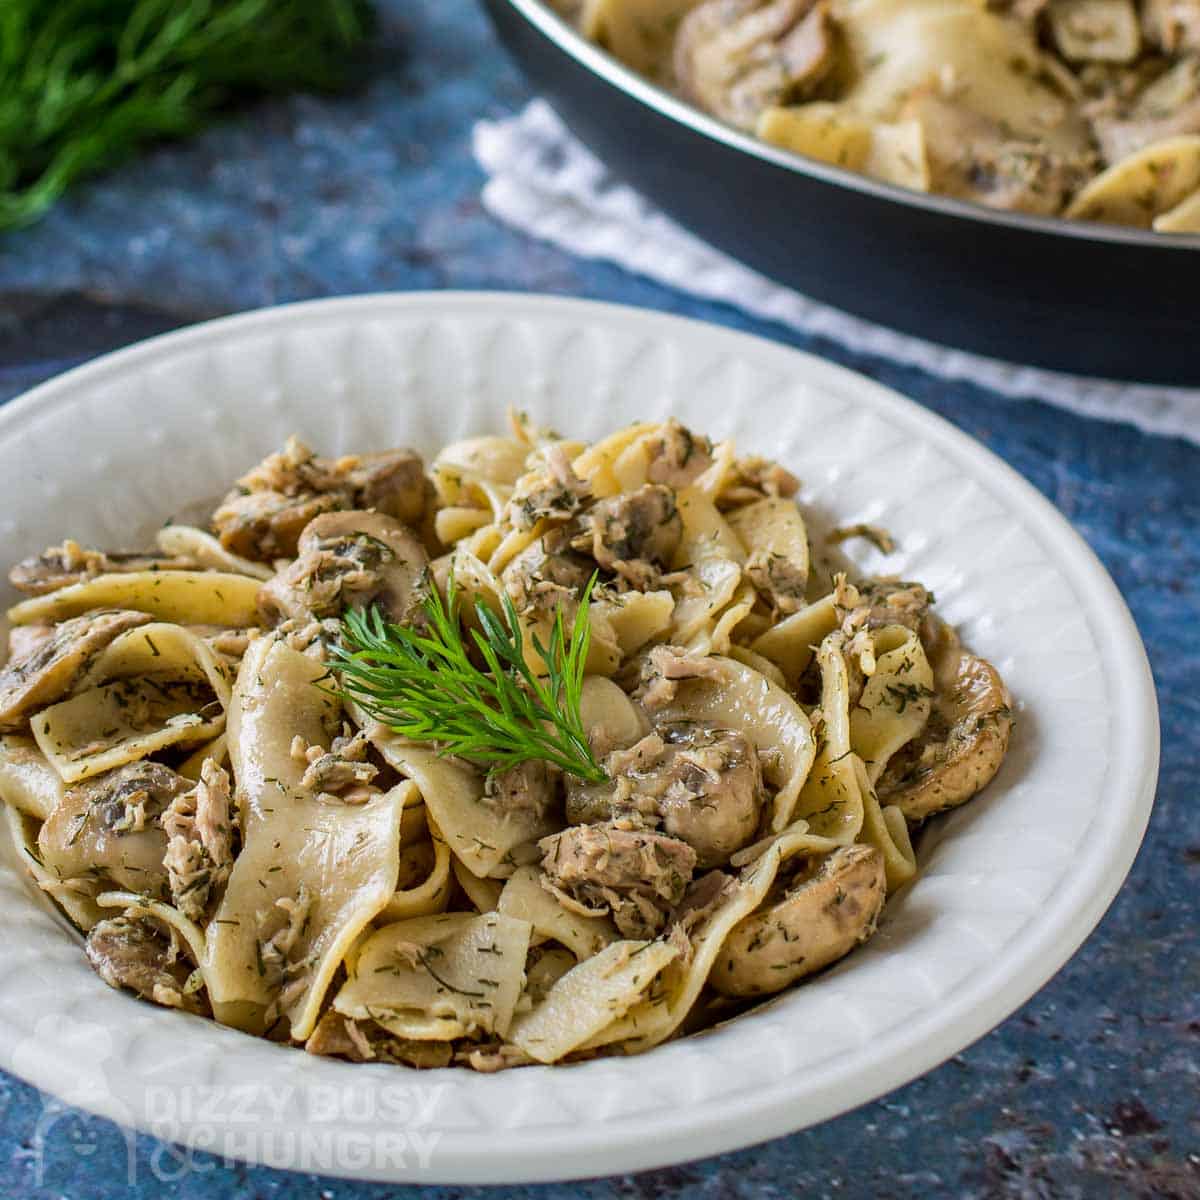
(544, 182)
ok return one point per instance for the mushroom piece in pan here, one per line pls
(734, 58)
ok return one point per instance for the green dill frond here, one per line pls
(424, 685)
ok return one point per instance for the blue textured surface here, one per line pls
(1092, 1089)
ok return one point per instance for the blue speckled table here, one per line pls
(1093, 1088)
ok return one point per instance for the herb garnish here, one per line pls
(422, 684)
(84, 84)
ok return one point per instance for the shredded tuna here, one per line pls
(199, 829)
(779, 580)
(662, 669)
(700, 901)
(529, 787)
(677, 456)
(554, 492)
(544, 580)
(336, 1036)
(341, 773)
(639, 876)
(634, 535)
(489, 1059)
(754, 478)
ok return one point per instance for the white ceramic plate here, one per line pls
(1010, 885)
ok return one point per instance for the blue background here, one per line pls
(1092, 1089)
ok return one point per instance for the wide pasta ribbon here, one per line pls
(153, 687)
(312, 873)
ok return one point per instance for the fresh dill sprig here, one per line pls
(423, 684)
(84, 83)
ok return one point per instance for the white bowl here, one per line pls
(1010, 885)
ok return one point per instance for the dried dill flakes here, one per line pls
(84, 84)
(904, 694)
(433, 952)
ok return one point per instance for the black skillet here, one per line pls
(1098, 300)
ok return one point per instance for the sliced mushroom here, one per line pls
(392, 482)
(1095, 30)
(964, 742)
(553, 492)
(349, 560)
(130, 953)
(1172, 25)
(710, 789)
(638, 876)
(111, 823)
(700, 783)
(634, 534)
(1166, 108)
(263, 516)
(50, 669)
(976, 157)
(60, 566)
(735, 58)
(546, 576)
(821, 915)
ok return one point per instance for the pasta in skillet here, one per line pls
(1082, 108)
(547, 751)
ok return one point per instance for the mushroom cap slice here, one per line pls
(734, 58)
(349, 559)
(128, 952)
(964, 742)
(111, 824)
(1172, 25)
(60, 566)
(48, 672)
(1095, 30)
(817, 920)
